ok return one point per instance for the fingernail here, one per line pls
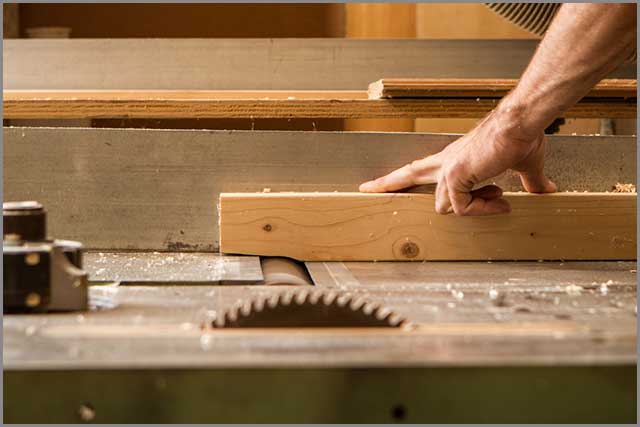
(366, 187)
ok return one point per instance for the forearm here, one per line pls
(584, 43)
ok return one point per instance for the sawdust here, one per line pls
(624, 188)
(573, 290)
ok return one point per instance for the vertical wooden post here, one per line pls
(380, 21)
(11, 20)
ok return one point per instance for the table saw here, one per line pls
(176, 331)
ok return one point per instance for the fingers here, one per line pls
(443, 203)
(488, 192)
(532, 172)
(419, 172)
(481, 207)
(483, 201)
(537, 182)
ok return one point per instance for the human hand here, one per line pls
(496, 144)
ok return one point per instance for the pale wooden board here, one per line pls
(540, 323)
(193, 104)
(171, 267)
(255, 64)
(158, 95)
(403, 226)
(472, 88)
(158, 189)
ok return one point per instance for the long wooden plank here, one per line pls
(255, 64)
(177, 104)
(158, 189)
(178, 95)
(474, 88)
(405, 227)
(249, 63)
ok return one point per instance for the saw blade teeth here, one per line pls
(395, 320)
(265, 309)
(301, 297)
(218, 322)
(232, 315)
(381, 313)
(259, 304)
(329, 298)
(272, 302)
(286, 298)
(314, 297)
(343, 300)
(368, 309)
(245, 309)
(356, 303)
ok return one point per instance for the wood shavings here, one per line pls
(624, 188)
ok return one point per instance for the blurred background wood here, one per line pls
(353, 20)
(380, 21)
(10, 20)
(187, 20)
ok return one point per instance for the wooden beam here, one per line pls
(403, 226)
(158, 189)
(11, 20)
(177, 95)
(236, 104)
(480, 88)
(255, 64)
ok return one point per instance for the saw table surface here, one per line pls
(463, 314)
(489, 342)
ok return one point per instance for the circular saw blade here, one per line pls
(303, 308)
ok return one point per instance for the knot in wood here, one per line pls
(267, 227)
(410, 250)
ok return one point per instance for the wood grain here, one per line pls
(377, 227)
(255, 64)
(158, 189)
(196, 104)
(479, 88)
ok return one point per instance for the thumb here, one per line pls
(532, 171)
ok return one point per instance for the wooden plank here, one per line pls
(479, 88)
(176, 104)
(171, 267)
(402, 226)
(158, 189)
(255, 64)
(177, 95)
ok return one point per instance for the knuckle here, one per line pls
(414, 168)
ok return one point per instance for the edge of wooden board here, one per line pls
(474, 88)
(75, 107)
(404, 226)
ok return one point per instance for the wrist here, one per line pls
(516, 120)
